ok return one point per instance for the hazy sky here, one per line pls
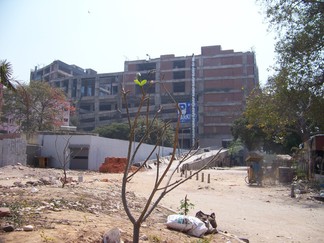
(103, 34)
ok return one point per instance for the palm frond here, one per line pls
(5, 74)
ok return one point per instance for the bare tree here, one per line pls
(66, 155)
(164, 182)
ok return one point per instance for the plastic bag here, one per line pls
(187, 224)
(209, 220)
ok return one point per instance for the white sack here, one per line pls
(188, 224)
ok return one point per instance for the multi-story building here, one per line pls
(211, 89)
(58, 70)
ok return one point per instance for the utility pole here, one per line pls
(193, 102)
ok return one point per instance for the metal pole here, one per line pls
(193, 102)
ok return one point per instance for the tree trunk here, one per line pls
(136, 232)
(65, 177)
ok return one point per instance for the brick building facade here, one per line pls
(221, 81)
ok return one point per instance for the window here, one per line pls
(146, 66)
(87, 120)
(105, 84)
(86, 108)
(114, 89)
(179, 75)
(87, 87)
(64, 68)
(179, 87)
(149, 89)
(74, 88)
(148, 76)
(179, 64)
(104, 89)
(104, 107)
(226, 143)
(108, 85)
(104, 118)
(65, 86)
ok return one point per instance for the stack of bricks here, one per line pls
(113, 165)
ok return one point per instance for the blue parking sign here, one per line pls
(185, 108)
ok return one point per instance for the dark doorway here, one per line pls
(79, 158)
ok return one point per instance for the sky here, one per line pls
(102, 34)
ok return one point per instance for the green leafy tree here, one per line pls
(253, 137)
(114, 130)
(289, 108)
(299, 27)
(280, 109)
(36, 107)
(122, 131)
(250, 135)
(157, 131)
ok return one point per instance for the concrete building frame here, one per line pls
(221, 80)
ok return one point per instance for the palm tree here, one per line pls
(5, 79)
(5, 74)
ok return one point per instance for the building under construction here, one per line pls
(211, 89)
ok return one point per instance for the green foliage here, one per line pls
(235, 147)
(139, 81)
(290, 106)
(114, 130)
(281, 111)
(299, 27)
(278, 118)
(185, 206)
(155, 133)
(5, 74)
(250, 135)
(122, 131)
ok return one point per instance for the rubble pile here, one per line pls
(31, 203)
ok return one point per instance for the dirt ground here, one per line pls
(84, 211)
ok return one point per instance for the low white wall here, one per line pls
(52, 146)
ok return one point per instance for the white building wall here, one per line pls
(52, 146)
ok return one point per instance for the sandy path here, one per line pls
(260, 214)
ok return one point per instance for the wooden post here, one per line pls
(197, 176)
(208, 180)
(202, 177)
